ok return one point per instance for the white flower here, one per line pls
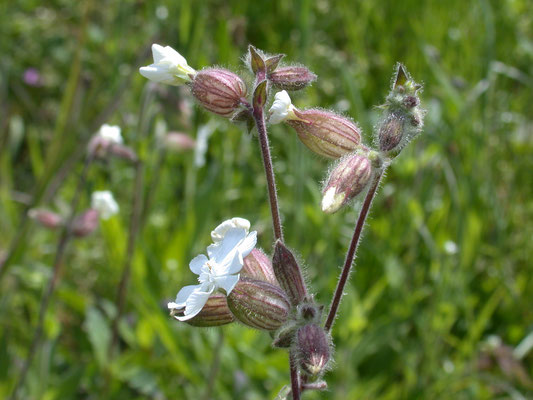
(110, 133)
(282, 108)
(104, 203)
(169, 67)
(219, 271)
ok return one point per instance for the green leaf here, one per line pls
(99, 334)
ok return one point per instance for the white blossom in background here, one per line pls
(282, 108)
(104, 203)
(202, 139)
(220, 270)
(169, 67)
(450, 247)
(110, 133)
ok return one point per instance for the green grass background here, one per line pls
(416, 320)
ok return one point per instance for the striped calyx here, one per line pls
(346, 180)
(214, 313)
(326, 133)
(288, 273)
(291, 77)
(259, 304)
(257, 265)
(218, 90)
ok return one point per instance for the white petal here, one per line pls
(195, 303)
(227, 283)
(222, 253)
(231, 266)
(280, 108)
(248, 244)
(197, 263)
(173, 55)
(212, 248)
(158, 52)
(156, 73)
(184, 294)
(173, 306)
(218, 233)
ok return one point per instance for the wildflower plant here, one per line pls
(236, 281)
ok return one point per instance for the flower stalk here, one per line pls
(350, 255)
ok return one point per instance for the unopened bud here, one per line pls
(178, 142)
(258, 266)
(326, 133)
(46, 218)
(288, 273)
(391, 132)
(309, 312)
(215, 312)
(259, 304)
(291, 78)
(218, 90)
(124, 152)
(346, 181)
(285, 335)
(312, 349)
(85, 223)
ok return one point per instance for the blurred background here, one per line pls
(440, 305)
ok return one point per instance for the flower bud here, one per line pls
(312, 349)
(403, 117)
(46, 218)
(258, 266)
(291, 78)
(178, 142)
(326, 133)
(85, 223)
(346, 181)
(218, 90)
(288, 273)
(259, 304)
(214, 313)
(391, 132)
(285, 335)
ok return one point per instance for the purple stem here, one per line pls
(350, 255)
(259, 119)
(295, 381)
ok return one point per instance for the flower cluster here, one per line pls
(237, 282)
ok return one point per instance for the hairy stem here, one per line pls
(65, 237)
(295, 379)
(350, 255)
(259, 119)
(135, 222)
